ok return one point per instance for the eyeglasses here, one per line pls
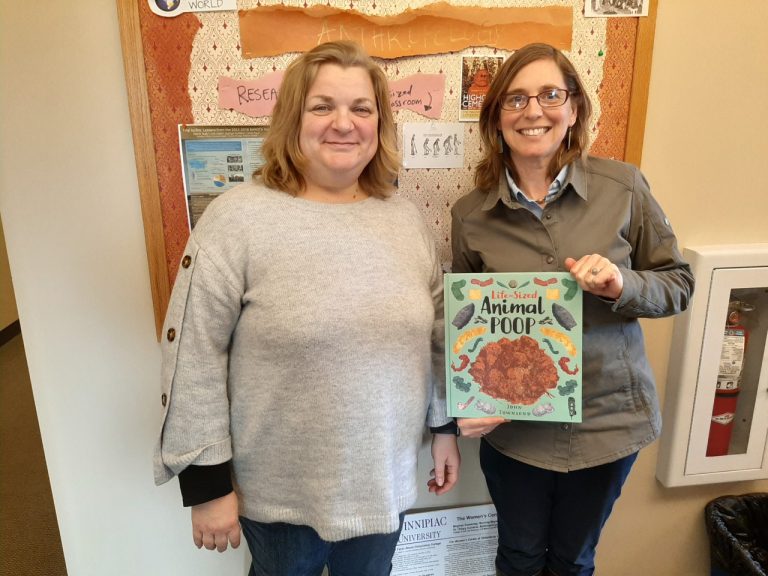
(548, 99)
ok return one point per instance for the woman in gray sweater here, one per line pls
(303, 355)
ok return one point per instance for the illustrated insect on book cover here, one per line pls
(513, 346)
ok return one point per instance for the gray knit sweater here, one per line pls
(306, 347)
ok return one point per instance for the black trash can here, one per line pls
(738, 535)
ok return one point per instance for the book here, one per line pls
(513, 346)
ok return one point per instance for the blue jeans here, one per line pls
(280, 549)
(550, 519)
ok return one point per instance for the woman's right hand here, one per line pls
(597, 275)
(477, 427)
(215, 524)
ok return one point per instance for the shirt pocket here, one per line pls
(609, 384)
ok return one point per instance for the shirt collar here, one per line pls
(495, 194)
(554, 187)
(577, 177)
(573, 174)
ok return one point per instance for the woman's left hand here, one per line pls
(596, 275)
(445, 453)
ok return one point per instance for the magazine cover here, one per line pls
(513, 346)
(477, 73)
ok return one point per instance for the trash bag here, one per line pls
(738, 534)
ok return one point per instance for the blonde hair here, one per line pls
(495, 151)
(284, 161)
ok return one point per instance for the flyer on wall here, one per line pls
(513, 346)
(433, 145)
(448, 542)
(477, 73)
(616, 8)
(171, 8)
(215, 159)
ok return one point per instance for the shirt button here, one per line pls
(550, 259)
(186, 261)
(164, 400)
(565, 427)
(171, 334)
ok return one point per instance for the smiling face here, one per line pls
(534, 134)
(339, 127)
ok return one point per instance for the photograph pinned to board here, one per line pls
(215, 159)
(477, 73)
(433, 145)
(616, 8)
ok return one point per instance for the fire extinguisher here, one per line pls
(730, 370)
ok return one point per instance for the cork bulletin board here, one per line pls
(173, 66)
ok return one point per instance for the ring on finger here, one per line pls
(595, 271)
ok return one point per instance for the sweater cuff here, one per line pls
(200, 484)
(450, 428)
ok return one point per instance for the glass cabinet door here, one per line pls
(731, 408)
(716, 398)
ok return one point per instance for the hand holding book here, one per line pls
(477, 427)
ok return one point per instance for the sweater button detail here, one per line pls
(550, 259)
(171, 334)
(164, 400)
(186, 261)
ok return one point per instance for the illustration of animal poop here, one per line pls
(563, 317)
(517, 371)
(463, 316)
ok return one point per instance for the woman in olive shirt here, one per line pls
(542, 204)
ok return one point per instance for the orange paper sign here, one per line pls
(432, 29)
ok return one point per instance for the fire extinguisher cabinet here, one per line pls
(716, 399)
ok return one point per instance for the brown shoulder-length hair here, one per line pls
(495, 152)
(284, 161)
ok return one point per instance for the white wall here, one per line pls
(70, 208)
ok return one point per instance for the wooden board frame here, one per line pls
(144, 148)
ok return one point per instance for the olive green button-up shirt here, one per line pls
(606, 208)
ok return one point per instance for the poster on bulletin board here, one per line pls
(477, 73)
(215, 159)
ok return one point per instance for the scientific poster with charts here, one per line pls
(448, 542)
(215, 159)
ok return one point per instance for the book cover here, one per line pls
(513, 346)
